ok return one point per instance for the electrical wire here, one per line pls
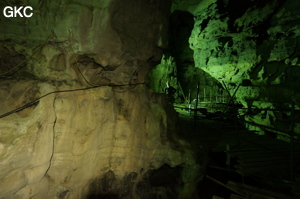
(35, 101)
(93, 85)
(84, 76)
(19, 66)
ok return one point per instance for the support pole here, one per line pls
(292, 140)
(231, 100)
(189, 102)
(204, 95)
(197, 99)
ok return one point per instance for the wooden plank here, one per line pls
(233, 189)
(273, 159)
(263, 151)
(262, 154)
(233, 196)
(264, 172)
(268, 159)
(249, 153)
(260, 148)
(217, 197)
(256, 192)
(264, 164)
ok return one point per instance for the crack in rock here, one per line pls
(53, 135)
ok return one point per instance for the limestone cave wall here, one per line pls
(251, 46)
(177, 65)
(77, 119)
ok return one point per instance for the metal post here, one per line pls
(292, 139)
(195, 115)
(230, 100)
(223, 97)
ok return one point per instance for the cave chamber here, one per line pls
(77, 116)
(236, 70)
(117, 99)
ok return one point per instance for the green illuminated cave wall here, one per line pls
(177, 65)
(259, 42)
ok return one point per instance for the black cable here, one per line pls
(84, 76)
(22, 63)
(35, 101)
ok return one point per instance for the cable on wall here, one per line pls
(19, 66)
(35, 101)
(84, 76)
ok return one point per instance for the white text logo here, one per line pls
(15, 11)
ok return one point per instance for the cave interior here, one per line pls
(122, 99)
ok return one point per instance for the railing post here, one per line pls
(197, 99)
(292, 139)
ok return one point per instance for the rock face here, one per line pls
(177, 66)
(255, 46)
(90, 126)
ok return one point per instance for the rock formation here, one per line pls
(77, 118)
(177, 65)
(251, 46)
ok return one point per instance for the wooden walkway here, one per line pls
(247, 153)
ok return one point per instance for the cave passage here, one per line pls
(236, 93)
(150, 99)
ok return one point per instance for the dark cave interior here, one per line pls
(122, 99)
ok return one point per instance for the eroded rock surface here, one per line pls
(254, 44)
(90, 126)
(177, 65)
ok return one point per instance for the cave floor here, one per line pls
(238, 158)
